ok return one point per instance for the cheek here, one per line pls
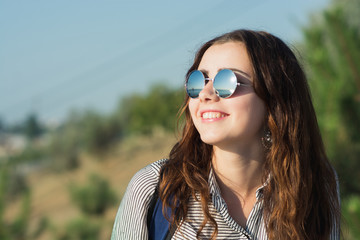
(192, 108)
(258, 114)
(260, 109)
(252, 112)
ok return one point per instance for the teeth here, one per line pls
(209, 115)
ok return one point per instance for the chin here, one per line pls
(210, 140)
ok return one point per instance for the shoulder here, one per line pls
(145, 180)
(143, 184)
(130, 221)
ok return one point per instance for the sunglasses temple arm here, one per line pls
(243, 84)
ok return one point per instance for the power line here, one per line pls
(180, 38)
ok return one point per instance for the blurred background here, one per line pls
(90, 92)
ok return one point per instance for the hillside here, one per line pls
(50, 191)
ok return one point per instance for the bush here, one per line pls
(63, 154)
(99, 133)
(17, 185)
(88, 131)
(64, 147)
(29, 155)
(18, 228)
(94, 198)
(80, 229)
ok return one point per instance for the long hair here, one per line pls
(300, 198)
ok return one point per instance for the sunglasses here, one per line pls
(225, 83)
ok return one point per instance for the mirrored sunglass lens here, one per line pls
(195, 84)
(225, 83)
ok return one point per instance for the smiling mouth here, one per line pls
(213, 115)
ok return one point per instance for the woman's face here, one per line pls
(234, 122)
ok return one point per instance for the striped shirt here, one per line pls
(130, 222)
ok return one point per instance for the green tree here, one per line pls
(2, 125)
(32, 126)
(351, 212)
(332, 51)
(158, 108)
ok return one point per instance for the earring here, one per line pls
(266, 139)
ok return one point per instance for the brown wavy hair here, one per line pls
(301, 198)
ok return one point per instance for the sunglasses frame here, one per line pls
(213, 79)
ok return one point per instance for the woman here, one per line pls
(251, 163)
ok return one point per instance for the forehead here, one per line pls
(226, 55)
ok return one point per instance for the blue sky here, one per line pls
(58, 55)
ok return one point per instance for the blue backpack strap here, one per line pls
(158, 225)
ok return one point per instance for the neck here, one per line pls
(238, 172)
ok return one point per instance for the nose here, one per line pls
(208, 92)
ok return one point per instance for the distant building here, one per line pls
(11, 143)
